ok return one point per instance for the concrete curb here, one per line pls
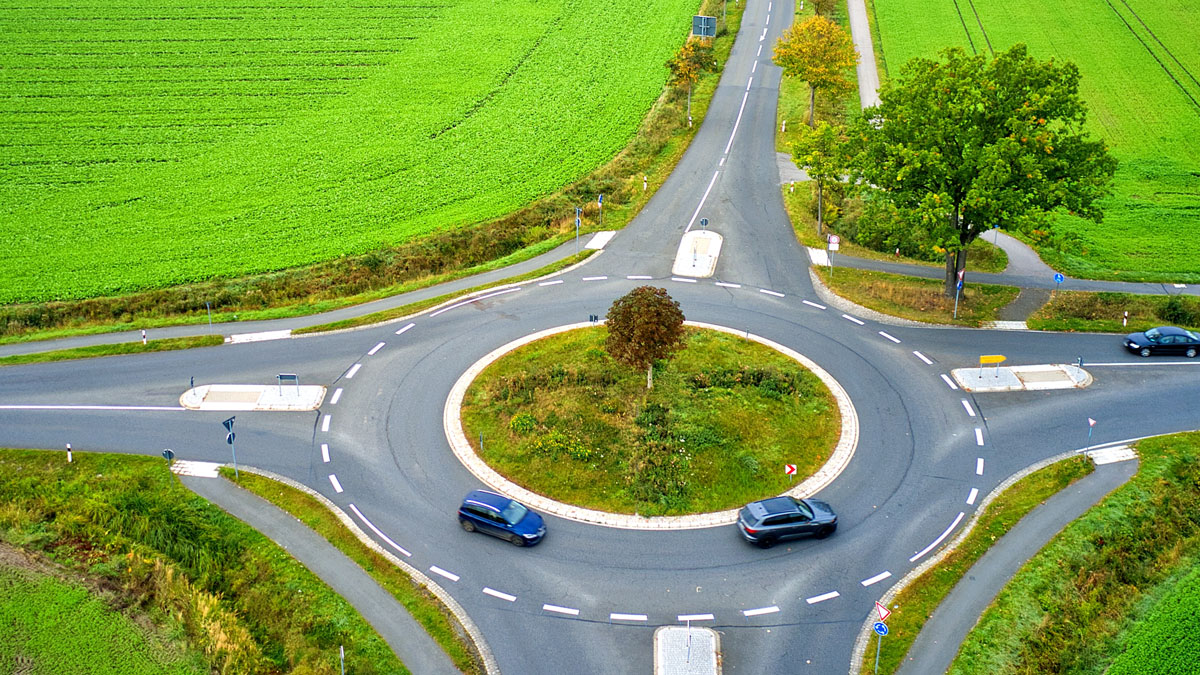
(481, 646)
(452, 422)
(865, 632)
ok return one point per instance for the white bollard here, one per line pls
(143, 336)
(68, 453)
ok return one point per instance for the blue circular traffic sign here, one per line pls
(881, 628)
(1058, 278)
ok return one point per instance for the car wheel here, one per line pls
(517, 540)
(467, 525)
(1190, 353)
(765, 542)
(825, 531)
(1145, 351)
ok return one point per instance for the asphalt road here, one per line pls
(924, 449)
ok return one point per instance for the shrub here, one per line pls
(1178, 311)
(522, 424)
(555, 443)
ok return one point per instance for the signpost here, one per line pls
(884, 612)
(989, 359)
(835, 242)
(704, 26)
(1058, 279)
(1091, 423)
(291, 378)
(578, 211)
(790, 470)
(704, 223)
(600, 203)
(881, 629)
(168, 455)
(957, 290)
(229, 438)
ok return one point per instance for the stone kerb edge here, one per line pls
(490, 664)
(452, 423)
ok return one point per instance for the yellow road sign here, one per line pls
(991, 358)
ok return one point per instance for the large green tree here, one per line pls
(966, 143)
(822, 152)
(644, 325)
(819, 52)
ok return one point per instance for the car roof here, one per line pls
(1172, 330)
(491, 500)
(775, 505)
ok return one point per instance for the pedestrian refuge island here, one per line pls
(686, 650)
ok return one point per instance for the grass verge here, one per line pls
(1083, 600)
(1104, 312)
(917, 299)
(425, 608)
(913, 606)
(563, 419)
(96, 351)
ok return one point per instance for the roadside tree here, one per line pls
(644, 325)
(823, 153)
(966, 143)
(693, 58)
(819, 52)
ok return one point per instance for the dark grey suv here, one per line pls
(766, 522)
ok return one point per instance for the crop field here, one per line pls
(158, 142)
(1140, 62)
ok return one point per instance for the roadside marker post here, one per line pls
(68, 453)
(578, 211)
(835, 242)
(600, 204)
(229, 438)
(790, 470)
(881, 630)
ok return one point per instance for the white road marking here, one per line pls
(978, 436)
(561, 610)
(482, 297)
(770, 5)
(890, 337)
(379, 534)
(759, 51)
(626, 617)
(499, 594)
(813, 304)
(722, 162)
(949, 382)
(89, 407)
(967, 405)
(325, 452)
(760, 611)
(601, 278)
(768, 21)
(684, 618)
(376, 348)
(754, 67)
(325, 423)
(978, 466)
(686, 281)
(763, 36)
(822, 597)
(876, 579)
(353, 371)
(449, 575)
(737, 121)
(550, 283)
(937, 541)
(749, 83)
(924, 358)
(699, 206)
(337, 487)
(774, 293)
(850, 318)
(728, 285)
(639, 276)
(337, 396)
(971, 497)
(402, 330)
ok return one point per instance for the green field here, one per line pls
(1140, 61)
(161, 142)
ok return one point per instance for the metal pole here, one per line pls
(957, 289)
(235, 469)
(1089, 441)
(209, 308)
(878, 644)
(342, 651)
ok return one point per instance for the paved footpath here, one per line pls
(938, 642)
(407, 638)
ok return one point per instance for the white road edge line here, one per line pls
(325, 423)
(924, 358)
(971, 497)
(774, 293)
(376, 348)
(813, 304)
(822, 597)
(949, 382)
(401, 331)
(937, 541)
(325, 453)
(379, 534)
(353, 371)
(499, 594)
(890, 337)
(978, 466)
(705, 197)
(337, 396)
(615, 616)
(967, 405)
(850, 318)
(550, 283)
(739, 116)
(337, 487)
(760, 611)
(684, 618)
(686, 281)
(449, 575)
(726, 284)
(876, 579)
(561, 610)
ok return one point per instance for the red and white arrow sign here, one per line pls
(789, 469)
(884, 612)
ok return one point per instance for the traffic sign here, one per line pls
(961, 273)
(960, 282)
(704, 26)
(704, 223)
(229, 423)
(168, 454)
(881, 628)
(985, 359)
(789, 469)
(834, 239)
(884, 612)
(1058, 278)
(229, 438)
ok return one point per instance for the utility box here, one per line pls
(687, 650)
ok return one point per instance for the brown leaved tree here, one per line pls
(644, 325)
(819, 52)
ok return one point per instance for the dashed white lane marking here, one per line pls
(937, 541)
(978, 436)
(759, 51)
(711, 183)
(924, 358)
(774, 293)
(890, 337)
(822, 597)
(763, 36)
(337, 487)
(639, 276)
(376, 348)
(754, 67)
(325, 453)
(738, 121)
(615, 616)
(499, 594)
(337, 396)
(948, 381)
(402, 330)
(768, 21)
(467, 302)
(967, 406)
(684, 618)
(722, 162)
(600, 278)
(971, 497)
(850, 318)
(449, 575)
(353, 371)
(813, 304)
(686, 281)
(978, 466)
(325, 423)
(760, 611)
(378, 533)
(561, 610)
(750, 82)
(770, 5)
(726, 284)
(550, 283)
(876, 579)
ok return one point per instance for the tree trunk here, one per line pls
(956, 261)
(820, 208)
(812, 107)
(650, 376)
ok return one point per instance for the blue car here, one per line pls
(501, 517)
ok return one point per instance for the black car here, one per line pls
(501, 517)
(766, 522)
(1164, 340)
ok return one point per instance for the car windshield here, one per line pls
(804, 509)
(1153, 334)
(1192, 335)
(513, 513)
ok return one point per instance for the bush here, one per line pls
(522, 423)
(1180, 312)
(658, 472)
(555, 443)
